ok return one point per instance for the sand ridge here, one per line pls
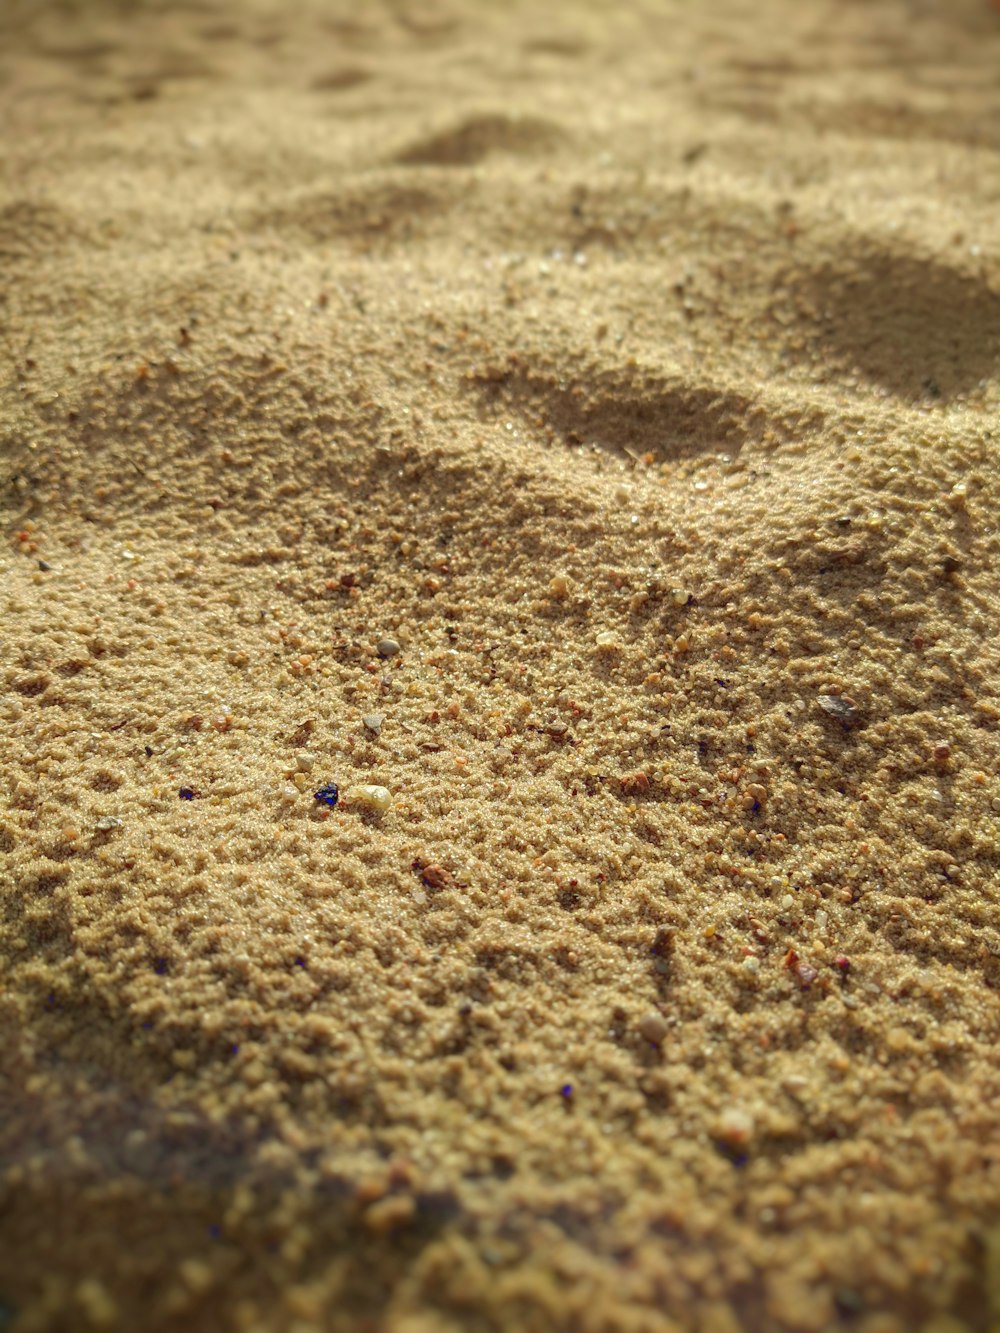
(636, 371)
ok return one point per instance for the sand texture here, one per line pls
(635, 369)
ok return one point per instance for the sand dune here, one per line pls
(634, 370)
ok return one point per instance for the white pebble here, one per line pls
(735, 1127)
(370, 795)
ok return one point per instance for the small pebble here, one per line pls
(734, 1128)
(373, 722)
(387, 647)
(607, 639)
(653, 1027)
(107, 822)
(839, 706)
(806, 974)
(390, 1214)
(328, 795)
(370, 795)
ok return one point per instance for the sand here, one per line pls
(636, 368)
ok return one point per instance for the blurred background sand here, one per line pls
(630, 374)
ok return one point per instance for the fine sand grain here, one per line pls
(635, 369)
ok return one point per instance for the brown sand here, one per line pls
(637, 368)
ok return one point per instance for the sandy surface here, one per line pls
(636, 368)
